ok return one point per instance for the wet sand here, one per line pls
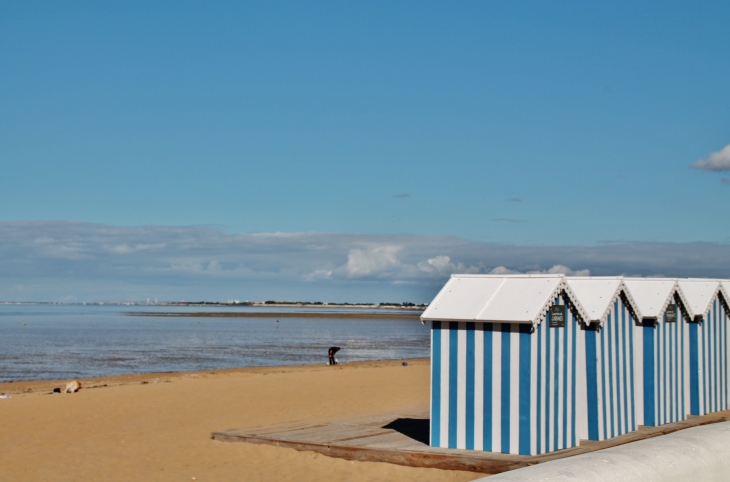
(157, 426)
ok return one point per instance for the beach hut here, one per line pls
(708, 345)
(661, 341)
(606, 398)
(503, 364)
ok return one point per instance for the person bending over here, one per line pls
(331, 353)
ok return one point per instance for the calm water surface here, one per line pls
(39, 342)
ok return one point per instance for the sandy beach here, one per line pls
(158, 426)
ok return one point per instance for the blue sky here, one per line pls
(525, 124)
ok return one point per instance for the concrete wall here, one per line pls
(700, 454)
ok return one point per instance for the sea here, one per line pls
(62, 341)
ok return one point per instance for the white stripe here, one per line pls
(431, 442)
(700, 368)
(479, 387)
(497, 390)
(444, 385)
(662, 394)
(628, 354)
(659, 364)
(514, 385)
(612, 385)
(620, 352)
(711, 364)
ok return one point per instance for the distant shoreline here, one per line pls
(223, 304)
(283, 314)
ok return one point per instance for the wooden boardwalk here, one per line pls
(402, 438)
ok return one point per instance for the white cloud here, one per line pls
(442, 266)
(320, 274)
(372, 261)
(716, 161)
(503, 270)
(560, 269)
(556, 269)
(125, 248)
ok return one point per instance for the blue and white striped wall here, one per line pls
(662, 375)
(503, 387)
(708, 361)
(609, 375)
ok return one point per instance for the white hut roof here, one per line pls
(699, 294)
(653, 295)
(498, 298)
(597, 294)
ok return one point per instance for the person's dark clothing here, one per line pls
(331, 353)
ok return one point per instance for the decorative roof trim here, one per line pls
(715, 294)
(719, 293)
(682, 298)
(724, 298)
(621, 288)
(632, 302)
(572, 302)
(542, 312)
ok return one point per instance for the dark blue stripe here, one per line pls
(711, 363)
(674, 402)
(649, 398)
(453, 381)
(669, 334)
(664, 362)
(470, 385)
(678, 367)
(488, 380)
(703, 386)
(506, 329)
(540, 329)
(625, 356)
(565, 375)
(715, 390)
(724, 356)
(525, 377)
(436, 385)
(603, 333)
(631, 358)
(694, 374)
(556, 394)
(592, 380)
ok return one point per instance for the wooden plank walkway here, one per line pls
(402, 438)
